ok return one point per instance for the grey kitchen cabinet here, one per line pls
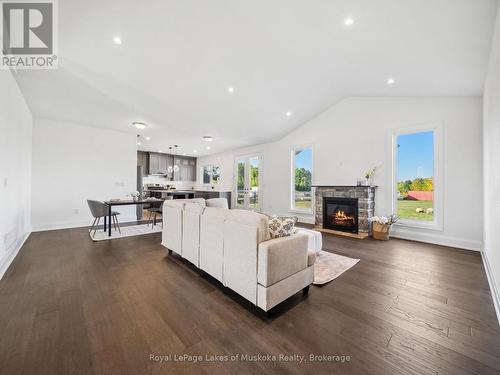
(143, 161)
(154, 163)
(187, 168)
(158, 163)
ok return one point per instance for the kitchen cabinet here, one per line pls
(187, 169)
(143, 161)
(157, 163)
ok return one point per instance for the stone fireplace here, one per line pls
(345, 209)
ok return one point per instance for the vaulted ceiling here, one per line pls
(178, 59)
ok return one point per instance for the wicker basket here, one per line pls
(381, 231)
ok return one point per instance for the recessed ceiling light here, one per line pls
(391, 81)
(208, 138)
(184, 154)
(138, 143)
(208, 147)
(230, 89)
(195, 151)
(348, 21)
(288, 114)
(117, 40)
(160, 151)
(148, 138)
(140, 125)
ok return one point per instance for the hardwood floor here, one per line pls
(72, 306)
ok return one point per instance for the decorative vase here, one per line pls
(367, 181)
(381, 232)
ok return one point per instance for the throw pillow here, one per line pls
(281, 226)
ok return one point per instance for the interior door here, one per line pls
(247, 182)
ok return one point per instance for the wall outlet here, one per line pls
(120, 184)
(76, 211)
(5, 181)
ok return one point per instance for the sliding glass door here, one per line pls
(247, 182)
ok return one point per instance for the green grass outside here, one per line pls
(407, 210)
(303, 204)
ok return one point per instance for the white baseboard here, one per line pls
(461, 243)
(6, 261)
(493, 285)
(75, 224)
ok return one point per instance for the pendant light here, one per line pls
(170, 169)
(176, 166)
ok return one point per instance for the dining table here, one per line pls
(125, 202)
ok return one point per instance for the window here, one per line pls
(211, 174)
(301, 199)
(416, 186)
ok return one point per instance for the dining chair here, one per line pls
(153, 212)
(99, 210)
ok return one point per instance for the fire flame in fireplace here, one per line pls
(341, 217)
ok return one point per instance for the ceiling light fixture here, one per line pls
(230, 89)
(183, 154)
(195, 151)
(148, 138)
(160, 151)
(208, 147)
(117, 40)
(138, 143)
(140, 125)
(288, 114)
(208, 138)
(348, 21)
(391, 81)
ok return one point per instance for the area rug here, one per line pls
(126, 231)
(329, 266)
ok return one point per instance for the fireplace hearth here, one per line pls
(340, 214)
(344, 210)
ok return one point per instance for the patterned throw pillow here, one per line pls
(281, 226)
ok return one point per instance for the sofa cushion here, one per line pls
(252, 219)
(215, 212)
(196, 200)
(217, 202)
(196, 208)
(177, 203)
(281, 226)
(294, 218)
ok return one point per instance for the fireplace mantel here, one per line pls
(366, 203)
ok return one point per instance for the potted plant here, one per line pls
(368, 176)
(382, 226)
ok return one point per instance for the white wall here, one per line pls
(354, 135)
(491, 134)
(15, 169)
(73, 163)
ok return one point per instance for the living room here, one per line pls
(277, 187)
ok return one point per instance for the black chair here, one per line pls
(99, 210)
(153, 213)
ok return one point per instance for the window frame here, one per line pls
(437, 129)
(293, 150)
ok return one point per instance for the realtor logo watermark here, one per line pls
(29, 34)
